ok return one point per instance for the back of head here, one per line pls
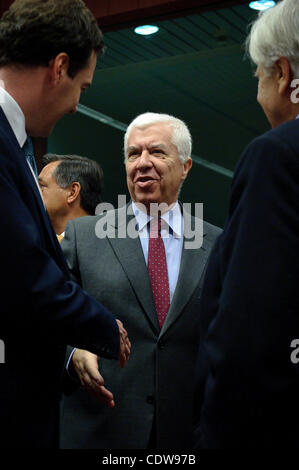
(32, 32)
(275, 34)
(87, 172)
(181, 136)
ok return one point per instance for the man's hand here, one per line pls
(125, 345)
(86, 366)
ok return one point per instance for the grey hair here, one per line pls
(275, 34)
(181, 136)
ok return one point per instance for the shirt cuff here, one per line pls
(73, 377)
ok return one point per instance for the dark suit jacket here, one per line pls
(158, 378)
(41, 309)
(250, 304)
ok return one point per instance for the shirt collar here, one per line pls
(173, 218)
(14, 115)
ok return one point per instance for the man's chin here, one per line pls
(42, 133)
(146, 199)
(152, 204)
(48, 132)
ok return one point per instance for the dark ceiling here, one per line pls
(194, 68)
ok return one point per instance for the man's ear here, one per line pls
(73, 192)
(187, 167)
(58, 68)
(284, 75)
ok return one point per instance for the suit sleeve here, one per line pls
(69, 248)
(250, 302)
(35, 293)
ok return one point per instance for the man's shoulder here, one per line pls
(285, 135)
(89, 223)
(211, 230)
(84, 222)
(274, 151)
(288, 128)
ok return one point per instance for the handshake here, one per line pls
(86, 366)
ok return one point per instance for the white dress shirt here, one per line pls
(14, 115)
(172, 234)
(16, 119)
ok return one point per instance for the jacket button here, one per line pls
(161, 345)
(150, 399)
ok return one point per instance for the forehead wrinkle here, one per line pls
(154, 145)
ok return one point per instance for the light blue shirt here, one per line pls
(172, 234)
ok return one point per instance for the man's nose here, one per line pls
(73, 110)
(144, 161)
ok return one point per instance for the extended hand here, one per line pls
(86, 366)
(125, 345)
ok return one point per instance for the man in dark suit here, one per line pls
(250, 300)
(48, 55)
(150, 404)
(71, 186)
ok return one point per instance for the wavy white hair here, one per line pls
(181, 136)
(275, 34)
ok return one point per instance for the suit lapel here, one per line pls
(192, 266)
(130, 255)
(31, 183)
(45, 219)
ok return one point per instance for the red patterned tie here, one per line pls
(157, 269)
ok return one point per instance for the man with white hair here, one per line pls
(249, 309)
(153, 282)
